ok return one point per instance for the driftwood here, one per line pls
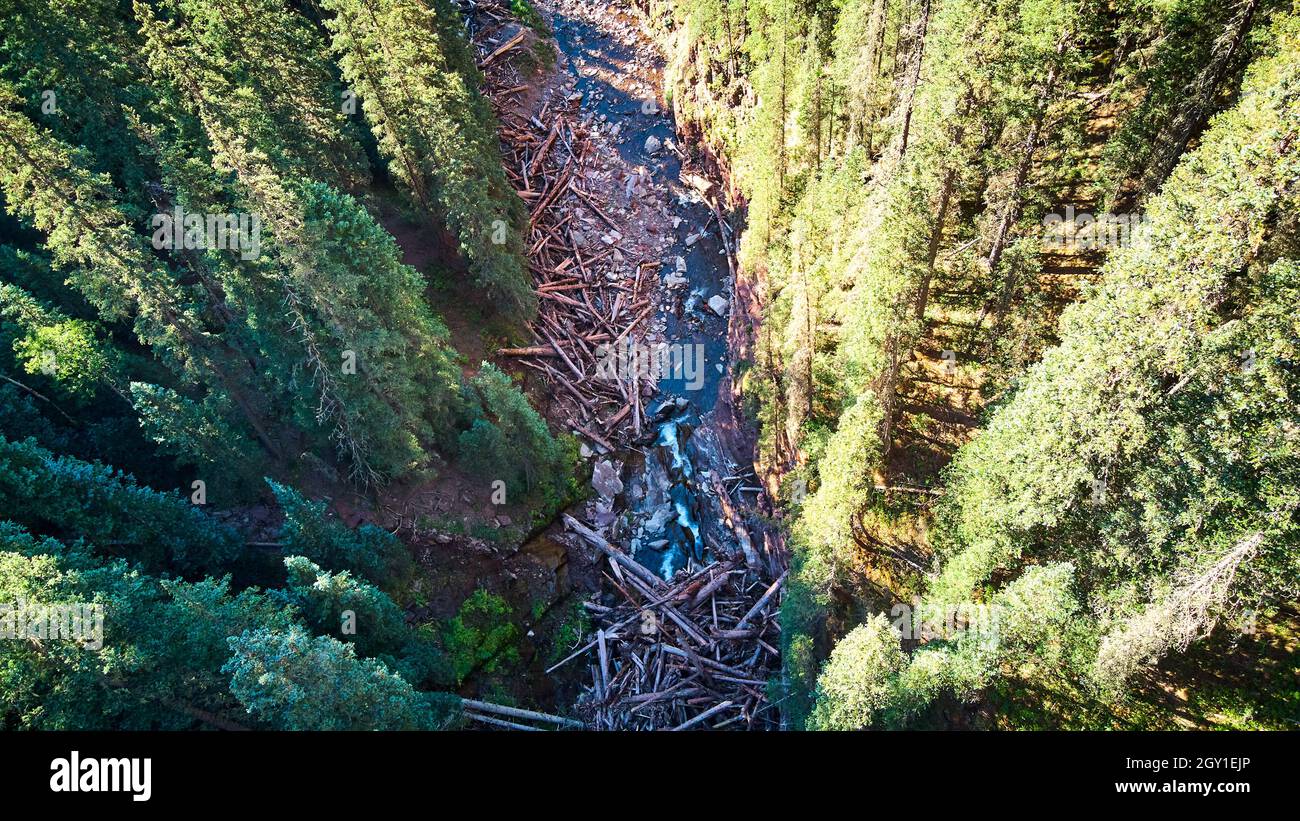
(475, 709)
(693, 652)
(589, 300)
(504, 47)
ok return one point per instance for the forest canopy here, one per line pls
(1011, 309)
(205, 320)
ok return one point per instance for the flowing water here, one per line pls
(663, 509)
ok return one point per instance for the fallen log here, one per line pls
(532, 350)
(504, 47)
(516, 712)
(771, 591)
(709, 713)
(631, 565)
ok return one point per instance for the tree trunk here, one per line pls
(1011, 210)
(914, 78)
(1191, 119)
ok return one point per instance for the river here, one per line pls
(663, 509)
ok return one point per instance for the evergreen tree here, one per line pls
(297, 682)
(1149, 448)
(368, 551)
(511, 441)
(78, 500)
(338, 605)
(374, 354)
(408, 63)
(88, 232)
(157, 663)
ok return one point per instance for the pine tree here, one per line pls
(511, 441)
(336, 604)
(1149, 447)
(377, 359)
(110, 510)
(70, 352)
(407, 62)
(157, 663)
(88, 231)
(297, 682)
(368, 551)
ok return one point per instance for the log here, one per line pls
(771, 591)
(635, 568)
(712, 711)
(504, 47)
(498, 722)
(516, 712)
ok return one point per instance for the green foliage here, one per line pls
(200, 434)
(286, 85)
(157, 663)
(308, 531)
(511, 441)
(855, 683)
(1150, 448)
(173, 654)
(67, 351)
(526, 14)
(827, 524)
(371, 369)
(1187, 471)
(336, 604)
(79, 500)
(1194, 71)
(228, 364)
(480, 636)
(437, 133)
(572, 631)
(297, 682)
(897, 161)
(870, 680)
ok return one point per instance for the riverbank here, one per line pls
(633, 260)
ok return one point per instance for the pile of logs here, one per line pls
(590, 300)
(698, 651)
(695, 653)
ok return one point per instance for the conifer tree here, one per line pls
(49, 183)
(297, 682)
(110, 510)
(336, 604)
(416, 79)
(374, 354)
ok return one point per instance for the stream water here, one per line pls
(659, 501)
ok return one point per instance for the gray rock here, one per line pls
(652, 144)
(718, 304)
(605, 479)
